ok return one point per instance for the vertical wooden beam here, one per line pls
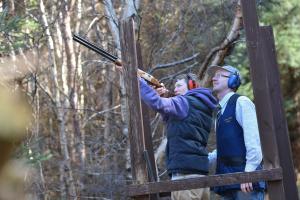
(152, 173)
(146, 123)
(262, 96)
(135, 128)
(281, 130)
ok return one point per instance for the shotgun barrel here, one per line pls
(149, 78)
(97, 49)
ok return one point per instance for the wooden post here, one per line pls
(152, 173)
(135, 128)
(146, 123)
(261, 95)
(280, 124)
(266, 108)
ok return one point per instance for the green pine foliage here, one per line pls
(284, 17)
(32, 155)
(19, 31)
(7, 26)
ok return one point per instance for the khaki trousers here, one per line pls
(194, 194)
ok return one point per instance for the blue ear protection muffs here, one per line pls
(234, 81)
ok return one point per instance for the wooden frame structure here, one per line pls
(278, 165)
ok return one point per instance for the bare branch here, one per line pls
(223, 48)
(99, 113)
(179, 72)
(173, 64)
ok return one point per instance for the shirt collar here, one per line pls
(224, 100)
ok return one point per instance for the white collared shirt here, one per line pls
(246, 116)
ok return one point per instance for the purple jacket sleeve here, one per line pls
(175, 106)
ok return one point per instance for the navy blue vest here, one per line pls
(187, 139)
(231, 149)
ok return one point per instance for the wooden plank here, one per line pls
(281, 130)
(135, 127)
(259, 76)
(262, 96)
(152, 172)
(206, 181)
(146, 123)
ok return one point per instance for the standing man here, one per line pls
(238, 142)
(188, 117)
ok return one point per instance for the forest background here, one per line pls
(76, 145)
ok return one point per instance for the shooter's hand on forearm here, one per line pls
(162, 91)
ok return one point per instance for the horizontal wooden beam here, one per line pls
(206, 181)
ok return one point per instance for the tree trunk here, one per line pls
(66, 164)
(219, 52)
(108, 117)
(9, 5)
(20, 7)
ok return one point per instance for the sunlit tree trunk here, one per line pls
(72, 82)
(129, 8)
(67, 7)
(108, 100)
(80, 89)
(60, 112)
(113, 25)
(62, 77)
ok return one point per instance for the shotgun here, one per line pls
(149, 78)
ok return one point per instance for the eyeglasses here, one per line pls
(220, 75)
